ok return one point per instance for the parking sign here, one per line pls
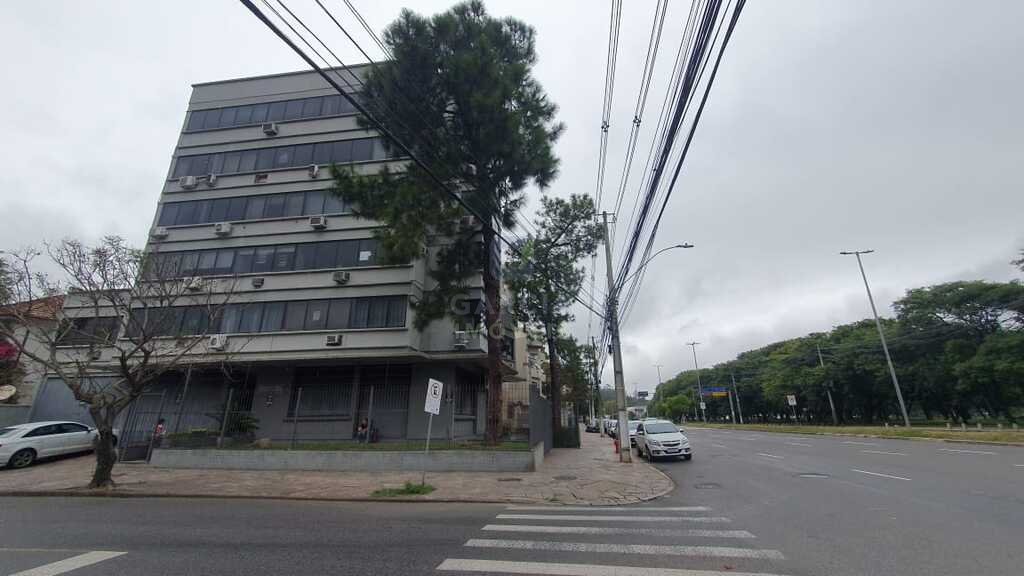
(433, 403)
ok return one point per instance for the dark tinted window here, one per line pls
(274, 207)
(236, 209)
(243, 116)
(207, 262)
(293, 204)
(186, 213)
(367, 252)
(276, 112)
(211, 119)
(195, 119)
(362, 149)
(305, 257)
(243, 260)
(273, 316)
(227, 117)
(303, 155)
(337, 316)
(348, 254)
(265, 159)
(321, 153)
(231, 162)
(248, 161)
(314, 203)
(284, 258)
(254, 208)
(326, 254)
(295, 316)
(43, 431)
(202, 212)
(252, 314)
(263, 261)
(377, 317)
(225, 261)
(283, 157)
(170, 211)
(316, 314)
(311, 107)
(342, 152)
(396, 311)
(232, 316)
(259, 113)
(188, 263)
(69, 428)
(219, 210)
(333, 204)
(293, 109)
(360, 313)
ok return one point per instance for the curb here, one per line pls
(851, 435)
(80, 493)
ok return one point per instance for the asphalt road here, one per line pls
(748, 503)
(855, 506)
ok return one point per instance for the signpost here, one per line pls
(791, 399)
(641, 394)
(431, 406)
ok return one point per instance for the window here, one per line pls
(305, 257)
(275, 206)
(331, 105)
(464, 394)
(169, 212)
(326, 254)
(254, 208)
(195, 320)
(284, 258)
(333, 204)
(348, 254)
(243, 260)
(314, 203)
(378, 314)
(225, 262)
(227, 117)
(219, 210)
(273, 316)
(295, 316)
(186, 213)
(207, 262)
(211, 119)
(70, 428)
(259, 113)
(293, 204)
(195, 119)
(326, 392)
(276, 112)
(344, 151)
(293, 109)
(316, 314)
(367, 252)
(252, 313)
(236, 209)
(360, 313)
(188, 263)
(311, 107)
(89, 331)
(396, 312)
(263, 260)
(337, 315)
(202, 214)
(243, 115)
(232, 316)
(47, 430)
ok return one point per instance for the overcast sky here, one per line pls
(892, 125)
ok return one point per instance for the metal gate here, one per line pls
(136, 441)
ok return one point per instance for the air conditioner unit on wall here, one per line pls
(222, 228)
(192, 283)
(257, 282)
(341, 277)
(211, 180)
(187, 182)
(461, 340)
(314, 170)
(318, 222)
(270, 129)
(217, 342)
(332, 340)
(160, 232)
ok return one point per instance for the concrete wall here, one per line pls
(444, 461)
(11, 414)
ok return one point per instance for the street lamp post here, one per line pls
(881, 334)
(612, 319)
(700, 391)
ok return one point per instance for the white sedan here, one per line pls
(23, 444)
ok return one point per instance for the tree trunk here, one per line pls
(555, 379)
(106, 456)
(494, 332)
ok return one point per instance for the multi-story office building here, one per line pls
(247, 206)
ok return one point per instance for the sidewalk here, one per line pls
(591, 475)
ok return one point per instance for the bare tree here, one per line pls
(127, 318)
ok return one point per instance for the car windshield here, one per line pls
(633, 425)
(660, 428)
(7, 431)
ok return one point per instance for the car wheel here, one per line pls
(648, 455)
(22, 458)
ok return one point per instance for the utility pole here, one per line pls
(597, 385)
(828, 389)
(700, 391)
(736, 393)
(731, 411)
(881, 334)
(658, 366)
(625, 454)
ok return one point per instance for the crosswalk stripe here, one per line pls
(565, 569)
(603, 530)
(615, 509)
(705, 551)
(595, 518)
(69, 564)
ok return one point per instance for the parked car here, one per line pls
(661, 438)
(613, 428)
(23, 444)
(633, 424)
(593, 426)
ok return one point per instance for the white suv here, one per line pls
(657, 438)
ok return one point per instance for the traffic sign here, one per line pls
(703, 406)
(791, 398)
(641, 394)
(434, 390)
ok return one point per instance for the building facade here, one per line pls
(319, 333)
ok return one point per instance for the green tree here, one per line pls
(460, 93)
(543, 275)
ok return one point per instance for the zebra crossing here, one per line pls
(631, 540)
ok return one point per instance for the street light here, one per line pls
(881, 334)
(700, 391)
(648, 261)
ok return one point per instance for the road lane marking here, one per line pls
(529, 528)
(719, 445)
(576, 518)
(861, 443)
(1019, 465)
(882, 452)
(69, 564)
(968, 451)
(879, 474)
(751, 438)
(661, 550)
(568, 569)
(799, 444)
(769, 455)
(615, 509)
